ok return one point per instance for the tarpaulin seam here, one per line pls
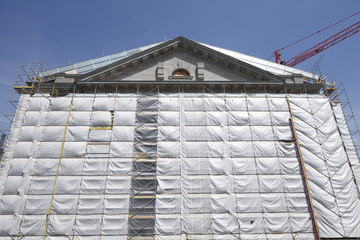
(324, 104)
(6, 149)
(304, 172)
(326, 165)
(278, 156)
(182, 157)
(107, 170)
(83, 166)
(323, 222)
(307, 164)
(344, 145)
(229, 140)
(255, 159)
(57, 173)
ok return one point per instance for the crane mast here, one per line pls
(331, 41)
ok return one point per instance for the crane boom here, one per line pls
(323, 45)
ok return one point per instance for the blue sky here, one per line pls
(70, 31)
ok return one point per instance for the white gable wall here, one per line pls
(175, 59)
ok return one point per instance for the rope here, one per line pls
(57, 174)
(308, 193)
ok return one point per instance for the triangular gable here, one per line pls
(197, 49)
(275, 68)
(95, 63)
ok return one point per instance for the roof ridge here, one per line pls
(96, 63)
(266, 65)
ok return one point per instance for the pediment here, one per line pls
(158, 63)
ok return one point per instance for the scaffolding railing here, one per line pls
(340, 95)
(143, 197)
(27, 81)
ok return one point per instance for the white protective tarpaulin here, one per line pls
(226, 167)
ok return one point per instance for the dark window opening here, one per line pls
(180, 72)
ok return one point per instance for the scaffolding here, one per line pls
(142, 211)
(338, 94)
(27, 77)
(195, 163)
(194, 160)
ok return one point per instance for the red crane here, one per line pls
(331, 41)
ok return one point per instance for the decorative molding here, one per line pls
(200, 72)
(160, 71)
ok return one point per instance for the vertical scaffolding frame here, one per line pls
(142, 205)
(27, 81)
(142, 214)
(339, 95)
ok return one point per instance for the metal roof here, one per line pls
(93, 64)
(269, 66)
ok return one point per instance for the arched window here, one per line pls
(180, 72)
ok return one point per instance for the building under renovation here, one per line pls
(178, 140)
